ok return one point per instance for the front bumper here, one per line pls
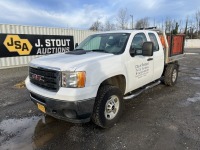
(65, 94)
(72, 111)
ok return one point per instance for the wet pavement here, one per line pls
(160, 118)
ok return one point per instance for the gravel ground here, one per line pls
(160, 118)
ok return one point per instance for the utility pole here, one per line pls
(132, 20)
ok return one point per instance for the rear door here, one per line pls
(158, 56)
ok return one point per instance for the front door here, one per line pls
(140, 68)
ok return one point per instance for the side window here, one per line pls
(154, 40)
(93, 44)
(137, 43)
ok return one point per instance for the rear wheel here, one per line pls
(108, 106)
(171, 74)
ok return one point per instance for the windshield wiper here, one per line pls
(78, 49)
(99, 50)
(74, 50)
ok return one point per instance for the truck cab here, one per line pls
(93, 80)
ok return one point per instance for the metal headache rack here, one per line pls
(173, 45)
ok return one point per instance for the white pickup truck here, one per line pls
(92, 81)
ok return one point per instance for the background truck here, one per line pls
(92, 81)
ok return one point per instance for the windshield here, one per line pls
(109, 43)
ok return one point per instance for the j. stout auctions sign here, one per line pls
(22, 44)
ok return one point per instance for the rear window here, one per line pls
(153, 39)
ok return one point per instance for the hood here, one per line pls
(69, 62)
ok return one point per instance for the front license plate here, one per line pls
(41, 107)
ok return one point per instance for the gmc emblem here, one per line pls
(38, 77)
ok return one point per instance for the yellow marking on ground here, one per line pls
(20, 85)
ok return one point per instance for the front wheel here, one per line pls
(108, 106)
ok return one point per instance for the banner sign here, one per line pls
(12, 45)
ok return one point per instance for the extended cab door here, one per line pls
(140, 68)
(158, 55)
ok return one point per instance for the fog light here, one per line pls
(70, 113)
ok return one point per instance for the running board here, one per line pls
(142, 90)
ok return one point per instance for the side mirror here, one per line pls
(147, 49)
(132, 51)
(76, 45)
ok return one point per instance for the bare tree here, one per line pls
(96, 26)
(168, 25)
(186, 26)
(142, 23)
(191, 29)
(109, 26)
(197, 17)
(180, 25)
(122, 19)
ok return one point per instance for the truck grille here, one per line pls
(45, 78)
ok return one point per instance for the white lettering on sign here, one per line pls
(51, 46)
(48, 44)
(53, 43)
(57, 42)
(142, 70)
(43, 51)
(38, 43)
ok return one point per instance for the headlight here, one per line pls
(73, 79)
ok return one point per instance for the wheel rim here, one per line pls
(111, 107)
(174, 75)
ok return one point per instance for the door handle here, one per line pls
(149, 59)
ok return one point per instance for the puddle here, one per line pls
(195, 78)
(191, 100)
(16, 133)
(6, 104)
(194, 99)
(191, 53)
(29, 133)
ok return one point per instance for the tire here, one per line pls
(108, 106)
(171, 74)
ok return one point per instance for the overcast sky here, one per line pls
(82, 13)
